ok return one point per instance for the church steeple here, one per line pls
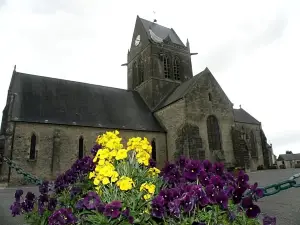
(158, 61)
(188, 44)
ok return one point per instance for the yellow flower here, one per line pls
(91, 175)
(101, 162)
(149, 187)
(112, 154)
(105, 181)
(143, 158)
(103, 154)
(122, 154)
(114, 176)
(106, 170)
(153, 171)
(125, 183)
(147, 196)
(96, 181)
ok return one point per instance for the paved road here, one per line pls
(285, 205)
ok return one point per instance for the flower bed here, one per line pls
(121, 185)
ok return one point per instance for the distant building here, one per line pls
(289, 160)
(48, 123)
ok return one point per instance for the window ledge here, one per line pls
(31, 160)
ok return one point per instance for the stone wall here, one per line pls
(57, 147)
(172, 117)
(248, 128)
(207, 98)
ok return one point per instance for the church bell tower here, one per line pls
(157, 62)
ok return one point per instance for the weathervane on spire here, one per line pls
(154, 20)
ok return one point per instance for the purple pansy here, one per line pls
(258, 192)
(174, 207)
(218, 168)
(62, 216)
(191, 171)
(207, 166)
(222, 199)
(91, 200)
(15, 209)
(211, 193)
(112, 209)
(217, 182)
(157, 204)
(204, 178)
(252, 210)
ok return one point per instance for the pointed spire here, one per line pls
(15, 67)
(187, 43)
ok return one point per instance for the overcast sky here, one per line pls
(251, 47)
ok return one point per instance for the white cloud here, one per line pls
(252, 47)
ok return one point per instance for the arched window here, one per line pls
(141, 71)
(32, 153)
(153, 154)
(176, 68)
(166, 61)
(253, 144)
(80, 148)
(213, 133)
(134, 75)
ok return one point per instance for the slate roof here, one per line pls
(240, 115)
(181, 90)
(288, 157)
(161, 31)
(49, 100)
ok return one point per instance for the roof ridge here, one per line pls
(155, 23)
(177, 35)
(189, 84)
(249, 114)
(195, 79)
(72, 81)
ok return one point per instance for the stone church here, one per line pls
(48, 123)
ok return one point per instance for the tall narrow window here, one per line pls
(80, 150)
(253, 144)
(176, 69)
(209, 97)
(213, 133)
(153, 154)
(166, 61)
(32, 153)
(134, 75)
(141, 71)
